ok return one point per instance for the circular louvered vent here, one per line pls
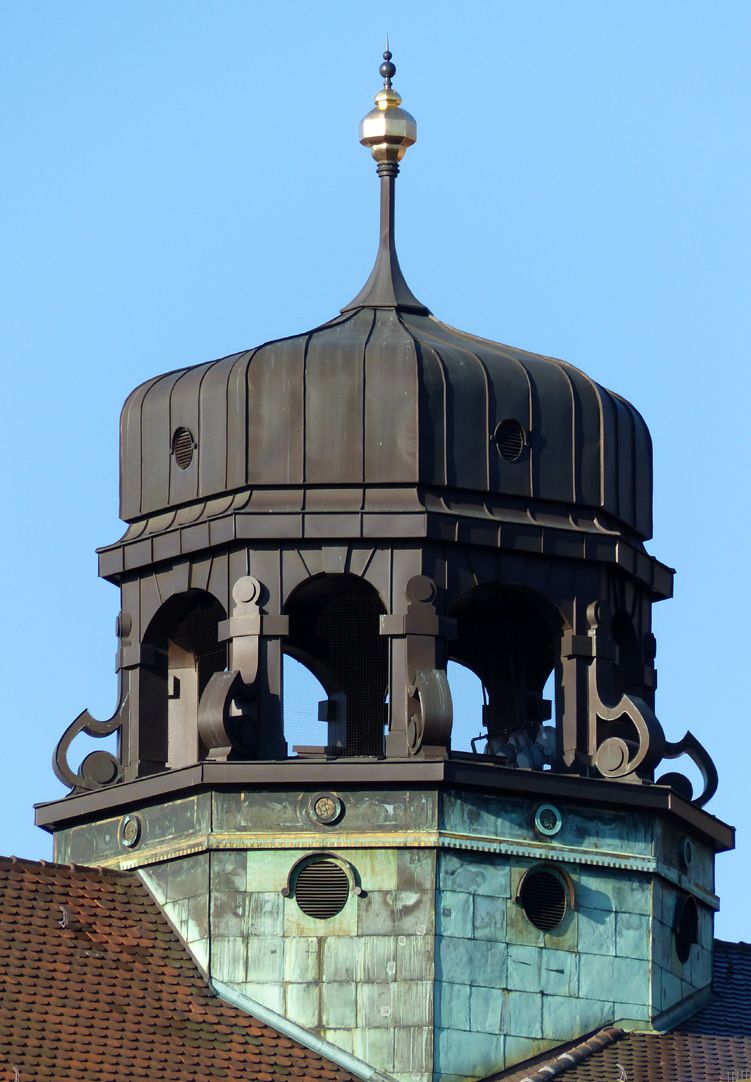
(182, 447)
(543, 898)
(509, 439)
(321, 889)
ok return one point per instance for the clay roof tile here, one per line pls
(114, 993)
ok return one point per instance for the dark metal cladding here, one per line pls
(383, 397)
(386, 394)
(377, 497)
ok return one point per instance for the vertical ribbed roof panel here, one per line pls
(275, 394)
(587, 426)
(391, 433)
(184, 413)
(432, 467)
(466, 403)
(131, 451)
(213, 427)
(334, 401)
(156, 438)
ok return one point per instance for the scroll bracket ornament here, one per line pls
(100, 767)
(625, 739)
(228, 711)
(429, 711)
(431, 714)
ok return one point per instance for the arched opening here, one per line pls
(185, 652)
(509, 637)
(628, 672)
(334, 632)
(468, 699)
(302, 693)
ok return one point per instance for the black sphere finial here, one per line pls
(387, 70)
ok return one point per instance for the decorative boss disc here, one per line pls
(325, 808)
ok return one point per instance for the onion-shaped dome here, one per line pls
(383, 396)
(387, 395)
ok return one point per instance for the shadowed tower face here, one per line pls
(374, 498)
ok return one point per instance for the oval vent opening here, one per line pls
(321, 889)
(543, 898)
(686, 928)
(509, 439)
(182, 447)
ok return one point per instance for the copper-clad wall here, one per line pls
(377, 397)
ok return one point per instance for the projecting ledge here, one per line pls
(455, 772)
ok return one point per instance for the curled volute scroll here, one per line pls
(100, 767)
(626, 740)
(431, 715)
(229, 719)
(428, 712)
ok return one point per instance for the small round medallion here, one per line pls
(548, 820)
(325, 808)
(130, 831)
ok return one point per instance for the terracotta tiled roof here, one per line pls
(652, 1057)
(714, 1045)
(559, 1064)
(95, 985)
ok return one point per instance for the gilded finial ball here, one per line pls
(388, 131)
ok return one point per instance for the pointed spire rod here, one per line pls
(389, 131)
(387, 75)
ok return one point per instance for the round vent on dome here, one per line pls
(542, 896)
(509, 439)
(183, 445)
(321, 888)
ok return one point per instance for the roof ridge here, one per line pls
(576, 1055)
(733, 943)
(94, 871)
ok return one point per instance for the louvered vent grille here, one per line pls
(543, 899)
(509, 439)
(182, 447)
(321, 889)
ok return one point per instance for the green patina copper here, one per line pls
(433, 971)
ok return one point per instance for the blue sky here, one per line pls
(183, 180)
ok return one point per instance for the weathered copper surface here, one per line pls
(713, 1044)
(465, 772)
